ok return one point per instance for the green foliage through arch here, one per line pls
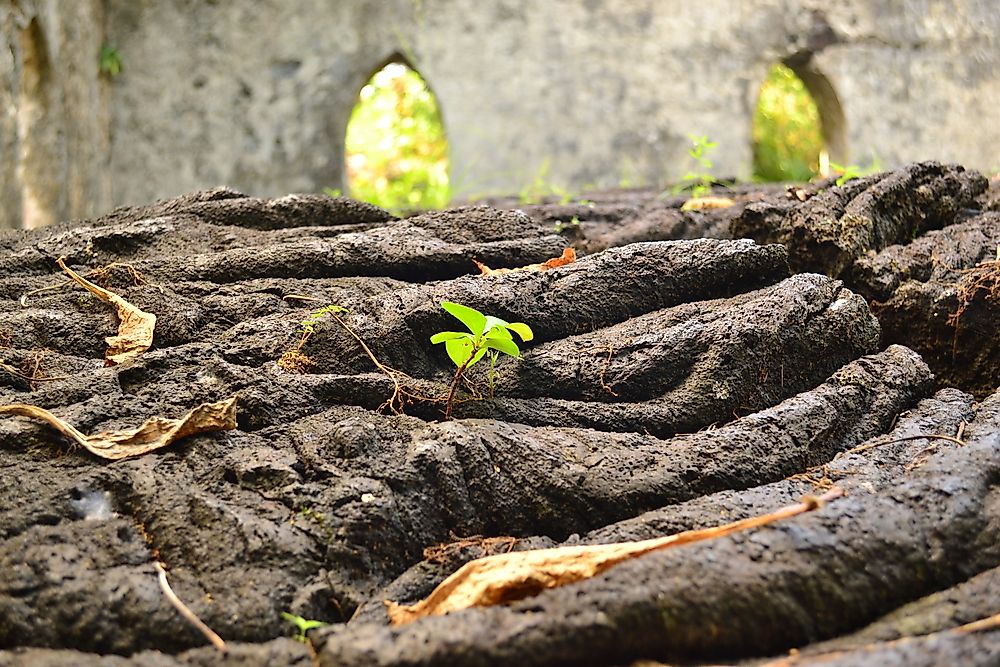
(787, 132)
(396, 152)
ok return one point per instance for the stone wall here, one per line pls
(257, 94)
(54, 112)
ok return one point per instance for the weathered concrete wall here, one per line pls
(10, 189)
(257, 94)
(53, 112)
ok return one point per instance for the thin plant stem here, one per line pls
(454, 387)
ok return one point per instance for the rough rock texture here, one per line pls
(260, 99)
(833, 229)
(774, 588)
(980, 649)
(914, 244)
(958, 605)
(941, 295)
(276, 653)
(670, 384)
(862, 470)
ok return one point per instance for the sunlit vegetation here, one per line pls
(396, 150)
(787, 133)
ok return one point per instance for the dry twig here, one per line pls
(189, 615)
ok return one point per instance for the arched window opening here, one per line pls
(396, 152)
(788, 140)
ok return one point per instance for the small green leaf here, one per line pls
(498, 332)
(522, 330)
(470, 317)
(459, 349)
(448, 335)
(479, 355)
(493, 323)
(308, 625)
(303, 625)
(505, 346)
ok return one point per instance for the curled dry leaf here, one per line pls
(156, 432)
(568, 257)
(135, 329)
(795, 192)
(706, 203)
(508, 577)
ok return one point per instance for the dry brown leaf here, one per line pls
(135, 330)
(156, 432)
(512, 576)
(568, 257)
(706, 203)
(795, 192)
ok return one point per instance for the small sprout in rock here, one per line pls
(309, 324)
(487, 336)
(303, 625)
(110, 61)
(333, 192)
(565, 196)
(294, 359)
(317, 518)
(561, 226)
(311, 514)
(847, 172)
(852, 171)
(700, 181)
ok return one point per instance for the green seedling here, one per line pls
(847, 172)
(487, 336)
(851, 171)
(110, 61)
(309, 324)
(294, 359)
(333, 192)
(561, 226)
(700, 180)
(303, 625)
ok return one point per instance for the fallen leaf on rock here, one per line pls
(135, 330)
(156, 432)
(507, 577)
(568, 257)
(706, 203)
(795, 192)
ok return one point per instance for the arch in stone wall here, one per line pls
(831, 117)
(396, 58)
(831, 113)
